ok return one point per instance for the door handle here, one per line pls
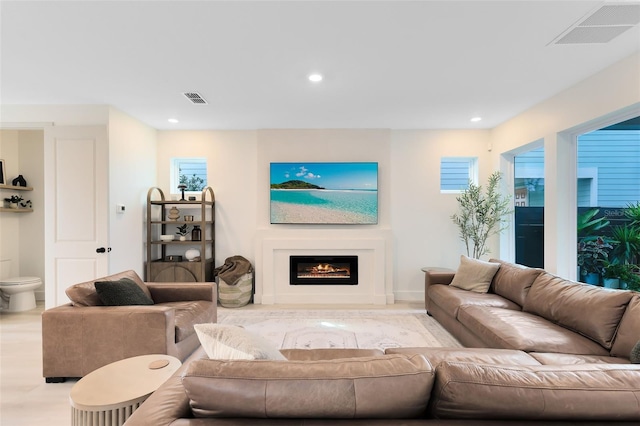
(103, 250)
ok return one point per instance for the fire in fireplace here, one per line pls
(323, 270)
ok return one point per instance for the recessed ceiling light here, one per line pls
(476, 119)
(315, 77)
(173, 120)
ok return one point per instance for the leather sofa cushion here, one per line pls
(451, 298)
(327, 353)
(543, 392)
(592, 311)
(629, 330)
(513, 281)
(436, 356)
(563, 359)
(388, 386)
(474, 274)
(509, 329)
(84, 294)
(188, 313)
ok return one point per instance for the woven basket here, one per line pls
(236, 296)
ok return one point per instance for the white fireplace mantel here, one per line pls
(372, 247)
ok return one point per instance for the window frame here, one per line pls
(174, 172)
(472, 169)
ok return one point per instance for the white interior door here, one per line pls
(76, 200)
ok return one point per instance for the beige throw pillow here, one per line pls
(474, 275)
(231, 342)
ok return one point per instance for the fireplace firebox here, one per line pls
(323, 270)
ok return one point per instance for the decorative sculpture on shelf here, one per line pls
(19, 181)
(174, 213)
(182, 187)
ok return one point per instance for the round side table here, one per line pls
(110, 394)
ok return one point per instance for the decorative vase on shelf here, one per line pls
(192, 254)
(174, 213)
(183, 238)
(196, 233)
(13, 205)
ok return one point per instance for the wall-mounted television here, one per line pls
(324, 193)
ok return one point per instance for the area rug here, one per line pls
(364, 329)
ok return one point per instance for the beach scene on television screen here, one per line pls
(324, 193)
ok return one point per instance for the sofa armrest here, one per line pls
(77, 340)
(175, 292)
(167, 404)
(435, 276)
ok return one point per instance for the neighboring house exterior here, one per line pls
(608, 172)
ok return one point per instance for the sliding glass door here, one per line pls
(528, 201)
(608, 199)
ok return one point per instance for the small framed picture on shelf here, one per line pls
(3, 175)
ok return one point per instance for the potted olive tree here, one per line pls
(481, 214)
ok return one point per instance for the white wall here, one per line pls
(231, 173)
(60, 115)
(421, 216)
(605, 98)
(411, 205)
(132, 171)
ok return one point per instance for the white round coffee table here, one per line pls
(110, 394)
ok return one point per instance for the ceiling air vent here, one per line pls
(195, 98)
(601, 26)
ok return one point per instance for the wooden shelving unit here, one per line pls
(158, 269)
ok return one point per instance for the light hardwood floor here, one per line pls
(25, 398)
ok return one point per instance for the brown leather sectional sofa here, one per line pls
(408, 386)
(84, 335)
(534, 311)
(559, 358)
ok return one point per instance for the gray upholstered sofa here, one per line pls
(84, 335)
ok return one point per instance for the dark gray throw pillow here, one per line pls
(122, 292)
(635, 354)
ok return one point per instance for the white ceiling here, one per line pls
(386, 64)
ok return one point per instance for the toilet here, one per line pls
(17, 293)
